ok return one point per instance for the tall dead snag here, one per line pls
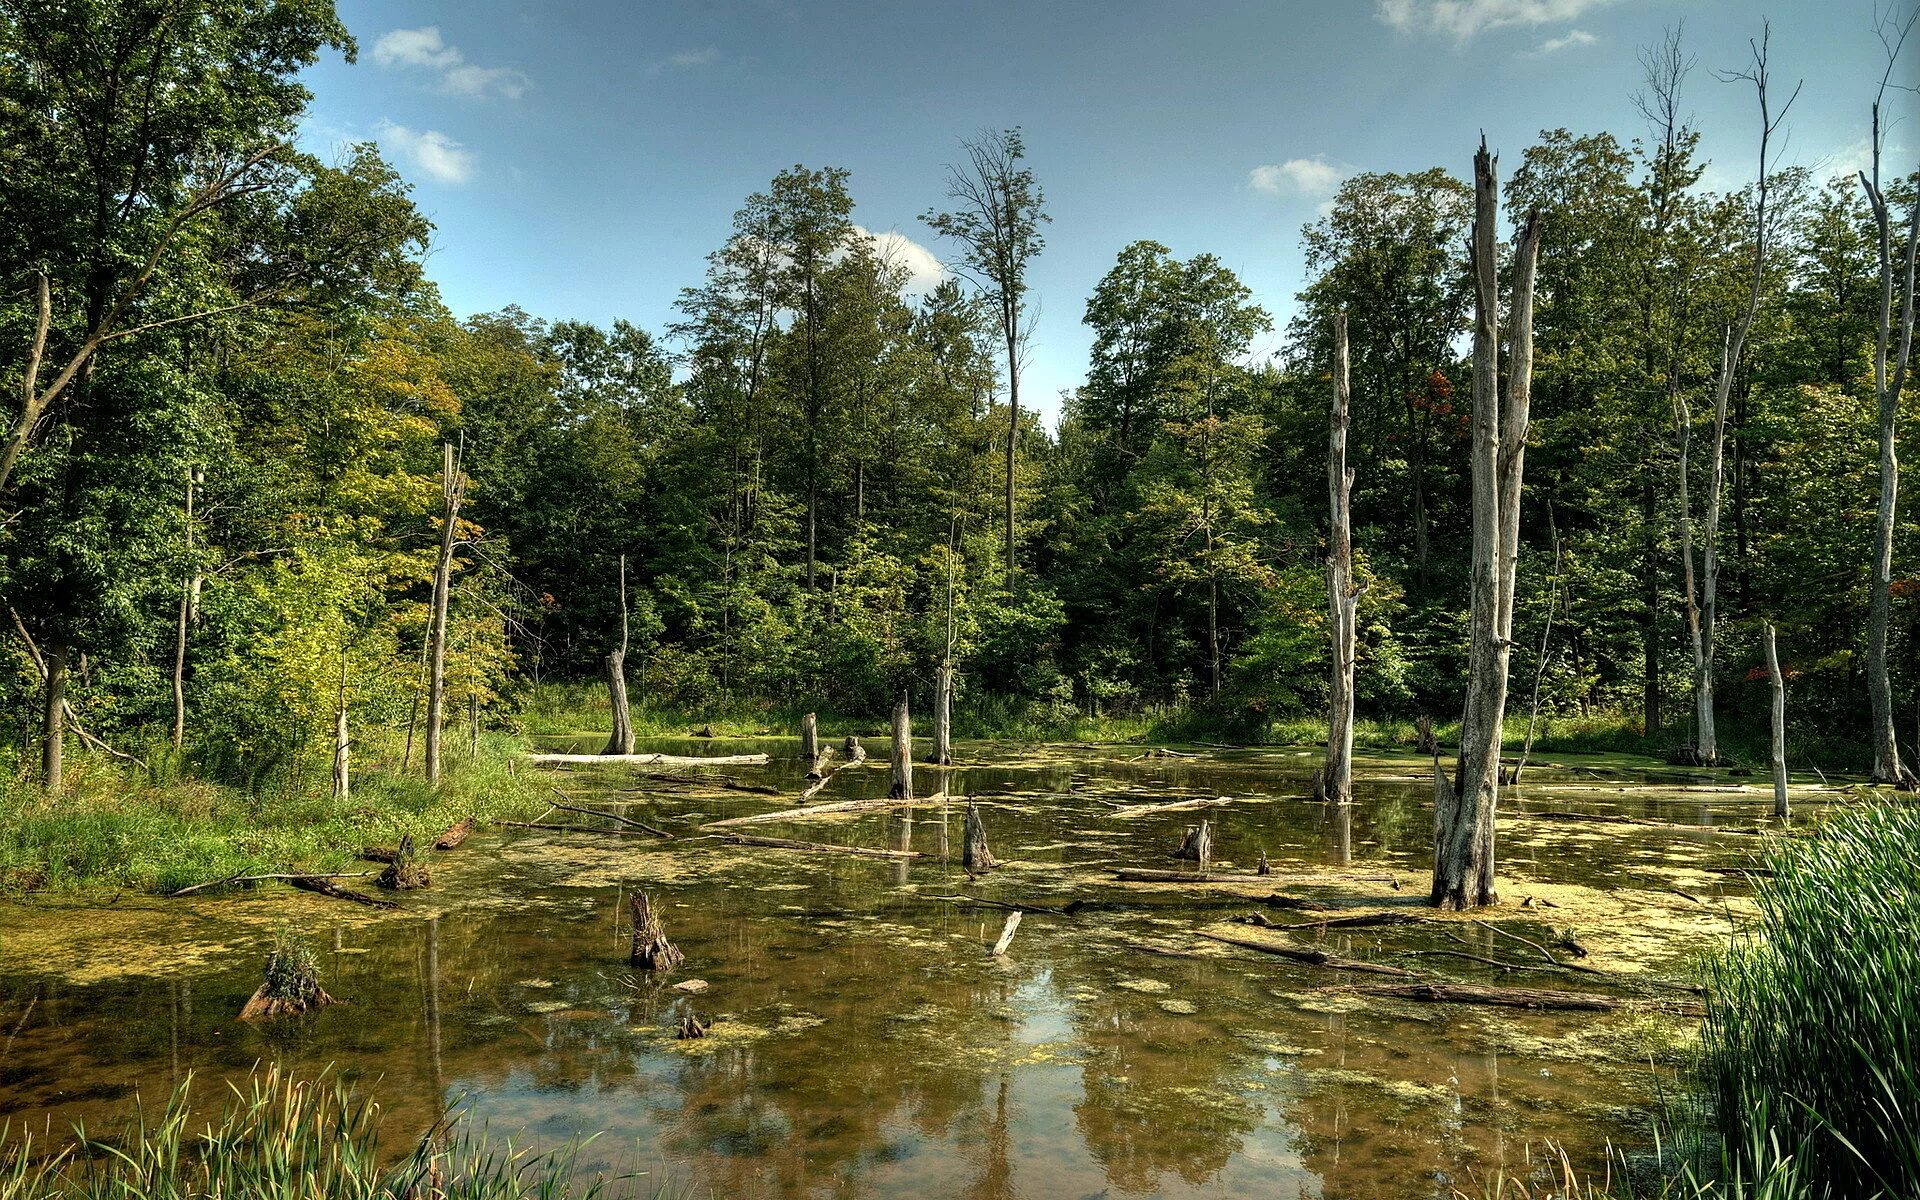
(1343, 597)
(902, 787)
(942, 755)
(1888, 380)
(1778, 757)
(620, 740)
(975, 856)
(1703, 613)
(1463, 818)
(651, 949)
(453, 486)
(810, 739)
(189, 608)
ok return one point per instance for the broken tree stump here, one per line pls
(902, 786)
(691, 1027)
(290, 984)
(651, 950)
(1263, 867)
(810, 737)
(404, 873)
(1423, 739)
(1006, 934)
(1197, 846)
(855, 752)
(975, 856)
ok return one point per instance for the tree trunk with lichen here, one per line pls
(1343, 597)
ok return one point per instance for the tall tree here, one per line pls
(996, 218)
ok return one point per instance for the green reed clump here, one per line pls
(1813, 1016)
(278, 1138)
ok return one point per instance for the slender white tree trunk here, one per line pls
(902, 786)
(452, 485)
(1778, 758)
(620, 740)
(1343, 598)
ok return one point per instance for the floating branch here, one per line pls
(650, 760)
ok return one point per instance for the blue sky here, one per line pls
(580, 157)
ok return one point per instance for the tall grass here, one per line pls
(1813, 1016)
(284, 1139)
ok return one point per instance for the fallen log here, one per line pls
(283, 875)
(594, 812)
(1309, 955)
(1472, 993)
(319, 886)
(1142, 810)
(1357, 921)
(1613, 819)
(455, 834)
(653, 760)
(1142, 875)
(646, 831)
(821, 763)
(818, 810)
(379, 854)
(741, 839)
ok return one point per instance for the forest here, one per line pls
(1563, 452)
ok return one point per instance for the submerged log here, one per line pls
(976, 857)
(1142, 810)
(771, 843)
(319, 886)
(595, 812)
(1355, 921)
(651, 951)
(655, 760)
(1507, 997)
(1142, 875)
(230, 880)
(1007, 931)
(455, 834)
(1312, 956)
(1197, 846)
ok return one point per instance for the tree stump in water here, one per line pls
(405, 872)
(1197, 846)
(902, 787)
(291, 984)
(1423, 739)
(810, 737)
(692, 1027)
(1263, 867)
(855, 752)
(651, 949)
(620, 740)
(942, 717)
(976, 857)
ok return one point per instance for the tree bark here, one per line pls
(342, 743)
(1778, 758)
(452, 485)
(942, 717)
(902, 786)
(620, 740)
(189, 603)
(1463, 874)
(810, 738)
(54, 719)
(1336, 778)
(975, 856)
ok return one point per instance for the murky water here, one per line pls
(866, 1043)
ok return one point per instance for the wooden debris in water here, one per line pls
(642, 831)
(855, 752)
(1263, 867)
(1143, 875)
(810, 736)
(320, 887)
(772, 843)
(1353, 921)
(455, 834)
(1007, 931)
(405, 873)
(649, 760)
(976, 857)
(608, 816)
(822, 810)
(901, 787)
(1434, 992)
(1142, 810)
(291, 984)
(1197, 846)
(1312, 956)
(651, 950)
(691, 1027)
(378, 854)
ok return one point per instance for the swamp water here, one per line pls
(866, 1042)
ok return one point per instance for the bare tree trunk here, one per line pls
(189, 603)
(342, 767)
(942, 716)
(1463, 875)
(1013, 426)
(1779, 756)
(810, 737)
(902, 787)
(53, 727)
(620, 740)
(452, 485)
(1343, 598)
(1540, 658)
(1888, 382)
(975, 855)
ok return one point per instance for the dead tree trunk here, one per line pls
(342, 766)
(1343, 597)
(942, 755)
(1896, 280)
(1778, 758)
(651, 951)
(620, 740)
(452, 488)
(975, 856)
(53, 728)
(1463, 832)
(810, 739)
(902, 787)
(189, 605)
(1197, 846)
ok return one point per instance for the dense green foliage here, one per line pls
(805, 472)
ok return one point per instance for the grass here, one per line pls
(114, 829)
(279, 1138)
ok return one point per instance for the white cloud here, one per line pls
(1313, 178)
(924, 271)
(685, 60)
(433, 152)
(1462, 19)
(1573, 37)
(424, 47)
